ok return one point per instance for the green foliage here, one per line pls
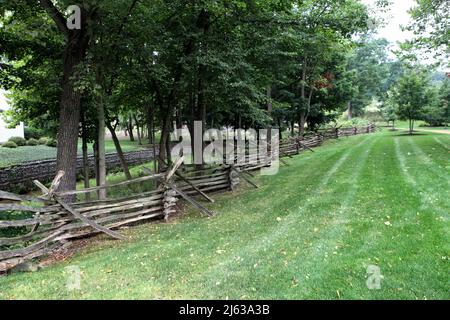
(437, 112)
(389, 111)
(443, 100)
(9, 144)
(368, 75)
(430, 24)
(434, 115)
(202, 61)
(343, 122)
(33, 133)
(373, 112)
(43, 140)
(51, 143)
(19, 141)
(410, 96)
(32, 142)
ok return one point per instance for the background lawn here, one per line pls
(19, 155)
(309, 232)
(418, 126)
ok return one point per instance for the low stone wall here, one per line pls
(20, 177)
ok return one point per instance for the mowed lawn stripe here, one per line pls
(431, 188)
(387, 232)
(445, 145)
(431, 165)
(247, 272)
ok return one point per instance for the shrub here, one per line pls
(434, 116)
(19, 141)
(9, 144)
(33, 133)
(51, 143)
(32, 142)
(43, 140)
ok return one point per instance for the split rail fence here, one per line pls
(35, 226)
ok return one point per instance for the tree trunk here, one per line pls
(302, 118)
(172, 99)
(84, 138)
(101, 149)
(119, 150)
(130, 129)
(96, 164)
(139, 135)
(411, 126)
(302, 122)
(69, 118)
(150, 123)
(350, 110)
(179, 118)
(200, 115)
(155, 163)
(269, 113)
(69, 104)
(280, 129)
(164, 138)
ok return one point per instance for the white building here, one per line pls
(5, 131)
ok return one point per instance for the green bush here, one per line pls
(43, 140)
(51, 143)
(33, 133)
(9, 144)
(434, 116)
(32, 142)
(19, 141)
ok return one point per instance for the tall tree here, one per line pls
(76, 45)
(410, 95)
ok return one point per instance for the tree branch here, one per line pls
(56, 16)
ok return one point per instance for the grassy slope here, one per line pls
(333, 205)
(22, 154)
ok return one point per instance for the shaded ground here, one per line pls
(309, 232)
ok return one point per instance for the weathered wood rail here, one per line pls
(37, 226)
(294, 145)
(49, 223)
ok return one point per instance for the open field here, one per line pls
(309, 232)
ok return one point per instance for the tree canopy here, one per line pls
(145, 65)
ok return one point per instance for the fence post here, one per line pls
(233, 178)
(170, 201)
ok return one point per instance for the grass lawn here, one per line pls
(19, 155)
(309, 232)
(418, 126)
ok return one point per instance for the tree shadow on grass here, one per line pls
(415, 134)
